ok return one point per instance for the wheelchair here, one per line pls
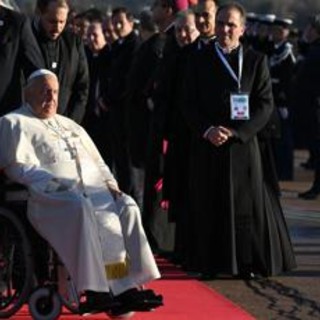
(47, 288)
(30, 270)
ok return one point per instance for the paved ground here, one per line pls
(296, 295)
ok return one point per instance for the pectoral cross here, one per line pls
(71, 149)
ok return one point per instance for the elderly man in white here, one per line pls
(75, 202)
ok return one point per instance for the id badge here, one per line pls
(239, 106)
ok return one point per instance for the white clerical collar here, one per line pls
(204, 41)
(227, 50)
(168, 27)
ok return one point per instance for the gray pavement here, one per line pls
(295, 295)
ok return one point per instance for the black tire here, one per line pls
(45, 304)
(16, 264)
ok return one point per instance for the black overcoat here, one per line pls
(140, 89)
(123, 52)
(18, 52)
(306, 95)
(238, 222)
(96, 123)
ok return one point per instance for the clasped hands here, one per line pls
(219, 135)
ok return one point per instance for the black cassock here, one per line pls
(140, 88)
(96, 120)
(237, 224)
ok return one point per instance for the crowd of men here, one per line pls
(203, 102)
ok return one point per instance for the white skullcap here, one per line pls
(40, 73)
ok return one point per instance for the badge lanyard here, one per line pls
(229, 68)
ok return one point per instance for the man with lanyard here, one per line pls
(239, 224)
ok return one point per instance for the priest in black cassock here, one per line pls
(140, 89)
(164, 14)
(177, 133)
(96, 119)
(18, 52)
(123, 53)
(239, 224)
(64, 55)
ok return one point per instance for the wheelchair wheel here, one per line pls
(45, 304)
(16, 267)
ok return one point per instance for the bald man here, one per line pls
(75, 203)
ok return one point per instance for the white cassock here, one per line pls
(100, 240)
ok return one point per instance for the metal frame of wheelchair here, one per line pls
(19, 283)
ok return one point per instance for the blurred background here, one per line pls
(298, 10)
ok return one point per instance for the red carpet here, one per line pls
(184, 298)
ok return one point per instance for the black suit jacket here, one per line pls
(72, 70)
(18, 52)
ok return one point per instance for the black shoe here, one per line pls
(249, 275)
(97, 302)
(136, 300)
(311, 194)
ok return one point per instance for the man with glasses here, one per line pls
(239, 228)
